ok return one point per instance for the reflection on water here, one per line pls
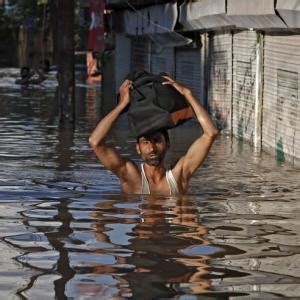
(67, 233)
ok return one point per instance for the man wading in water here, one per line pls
(152, 177)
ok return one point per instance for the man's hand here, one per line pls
(183, 90)
(124, 92)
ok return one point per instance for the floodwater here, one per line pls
(67, 233)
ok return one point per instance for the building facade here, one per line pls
(241, 59)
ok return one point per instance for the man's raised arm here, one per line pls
(198, 151)
(109, 157)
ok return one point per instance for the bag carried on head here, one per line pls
(154, 106)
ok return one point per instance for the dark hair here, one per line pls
(25, 68)
(24, 72)
(164, 132)
(166, 135)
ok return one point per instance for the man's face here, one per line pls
(24, 72)
(152, 148)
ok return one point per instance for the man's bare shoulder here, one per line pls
(130, 178)
(130, 172)
(179, 175)
(177, 169)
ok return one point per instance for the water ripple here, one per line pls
(67, 232)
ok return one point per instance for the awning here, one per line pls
(149, 20)
(257, 14)
(124, 4)
(169, 39)
(289, 12)
(204, 14)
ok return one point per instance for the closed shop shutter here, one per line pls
(140, 54)
(188, 70)
(122, 58)
(220, 79)
(163, 61)
(281, 116)
(243, 85)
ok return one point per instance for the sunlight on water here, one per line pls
(66, 232)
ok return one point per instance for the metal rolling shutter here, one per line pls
(281, 122)
(188, 70)
(140, 54)
(163, 61)
(220, 79)
(243, 93)
(122, 59)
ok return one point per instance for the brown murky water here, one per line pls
(67, 233)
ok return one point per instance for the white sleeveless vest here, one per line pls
(173, 187)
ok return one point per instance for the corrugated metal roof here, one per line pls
(204, 14)
(258, 14)
(153, 19)
(123, 4)
(289, 12)
(217, 14)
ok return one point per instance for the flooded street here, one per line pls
(67, 233)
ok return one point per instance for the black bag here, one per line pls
(154, 106)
